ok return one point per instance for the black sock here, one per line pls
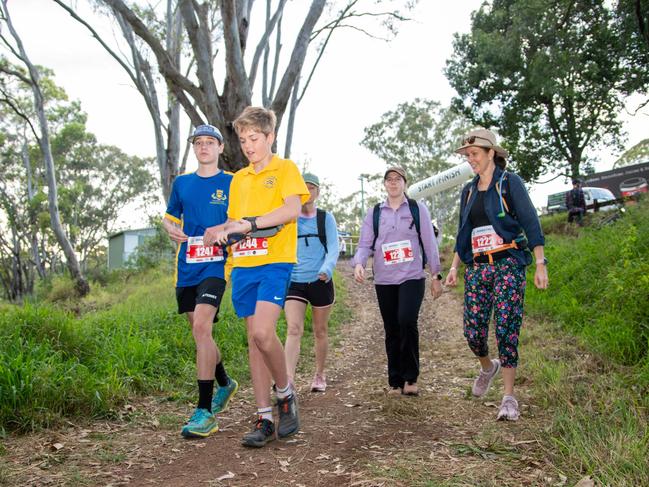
(205, 389)
(221, 376)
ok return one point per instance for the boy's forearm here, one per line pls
(286, 213)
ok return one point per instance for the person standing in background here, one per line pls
(312, 283)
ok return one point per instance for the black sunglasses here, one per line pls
(471, 140)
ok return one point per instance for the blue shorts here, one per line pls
(264, 283)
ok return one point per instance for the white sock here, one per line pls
(284, 393)
(265, 413)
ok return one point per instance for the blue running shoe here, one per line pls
(222, 396)
(200, 425)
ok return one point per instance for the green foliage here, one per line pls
(635, 155)
(598, 424)
(551, 75)
(599, 286)
(421, 136)
(55, 365)
(154, 250)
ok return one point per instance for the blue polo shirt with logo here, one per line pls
(197, 203)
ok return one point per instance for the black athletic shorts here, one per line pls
(319, 293)
(208, 291)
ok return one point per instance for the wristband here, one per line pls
(253, 223)
(452, 269)
(543, 262)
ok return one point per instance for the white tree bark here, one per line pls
(81, 283)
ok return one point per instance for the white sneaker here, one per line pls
(483, 382)
(508, 409)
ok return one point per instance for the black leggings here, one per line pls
(399, 305)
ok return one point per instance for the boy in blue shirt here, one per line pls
(311, 283)
(200, 200)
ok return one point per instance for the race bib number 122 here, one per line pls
(397, 252)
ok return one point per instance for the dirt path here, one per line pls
(353, 435)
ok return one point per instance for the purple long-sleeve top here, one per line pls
(397, 226)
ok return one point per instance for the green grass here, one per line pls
(54, 364)
(588, 360)
(86, 358)
(599, 286)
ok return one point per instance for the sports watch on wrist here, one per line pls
(253, 223)
(439, 276)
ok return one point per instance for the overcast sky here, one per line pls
(357, 81)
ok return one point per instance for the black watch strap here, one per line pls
(253, 223)
(439, 276)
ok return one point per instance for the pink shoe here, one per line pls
(484, 380)
(508, 409)
(319, 383)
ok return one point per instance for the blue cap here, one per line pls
(208, 131)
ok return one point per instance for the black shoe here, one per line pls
(289, 423)
(262, 433)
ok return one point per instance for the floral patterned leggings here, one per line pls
(499, 287)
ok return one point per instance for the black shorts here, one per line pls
(208, 291)
(319, 294)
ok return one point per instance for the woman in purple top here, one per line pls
(399, 276)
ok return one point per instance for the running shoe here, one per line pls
(319, 383)
(223, 395)
(200, 425)
(262, 433)
(289, 422)
(508, 409)
(483, 382)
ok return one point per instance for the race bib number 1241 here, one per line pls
(197, 252)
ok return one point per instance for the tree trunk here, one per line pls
(81, 284)
(291, 119)
(36, 256)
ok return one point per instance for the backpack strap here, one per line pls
(416, 220)
(376, 216)
(322, 231)
(321, 215)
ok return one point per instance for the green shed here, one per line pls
(122, 244)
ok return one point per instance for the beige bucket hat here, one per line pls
(481, 138)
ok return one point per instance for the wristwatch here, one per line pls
(439, 276)
(253, 223)
(544, 261)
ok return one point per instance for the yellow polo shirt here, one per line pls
(256, 194)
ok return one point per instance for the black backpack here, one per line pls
(322, 233)
(416, 221)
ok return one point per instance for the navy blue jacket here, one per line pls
(521, 216)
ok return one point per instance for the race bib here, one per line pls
(197, 252)
(484, 239)
(397, 252)
(251, 247)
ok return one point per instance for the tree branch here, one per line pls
(297, 59)
(176, 81)
(263, 42)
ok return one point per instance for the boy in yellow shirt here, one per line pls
(268, 192)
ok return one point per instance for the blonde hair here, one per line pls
(256, 118)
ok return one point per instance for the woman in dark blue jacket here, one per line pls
(498, 224)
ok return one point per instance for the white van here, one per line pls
(557, 201)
